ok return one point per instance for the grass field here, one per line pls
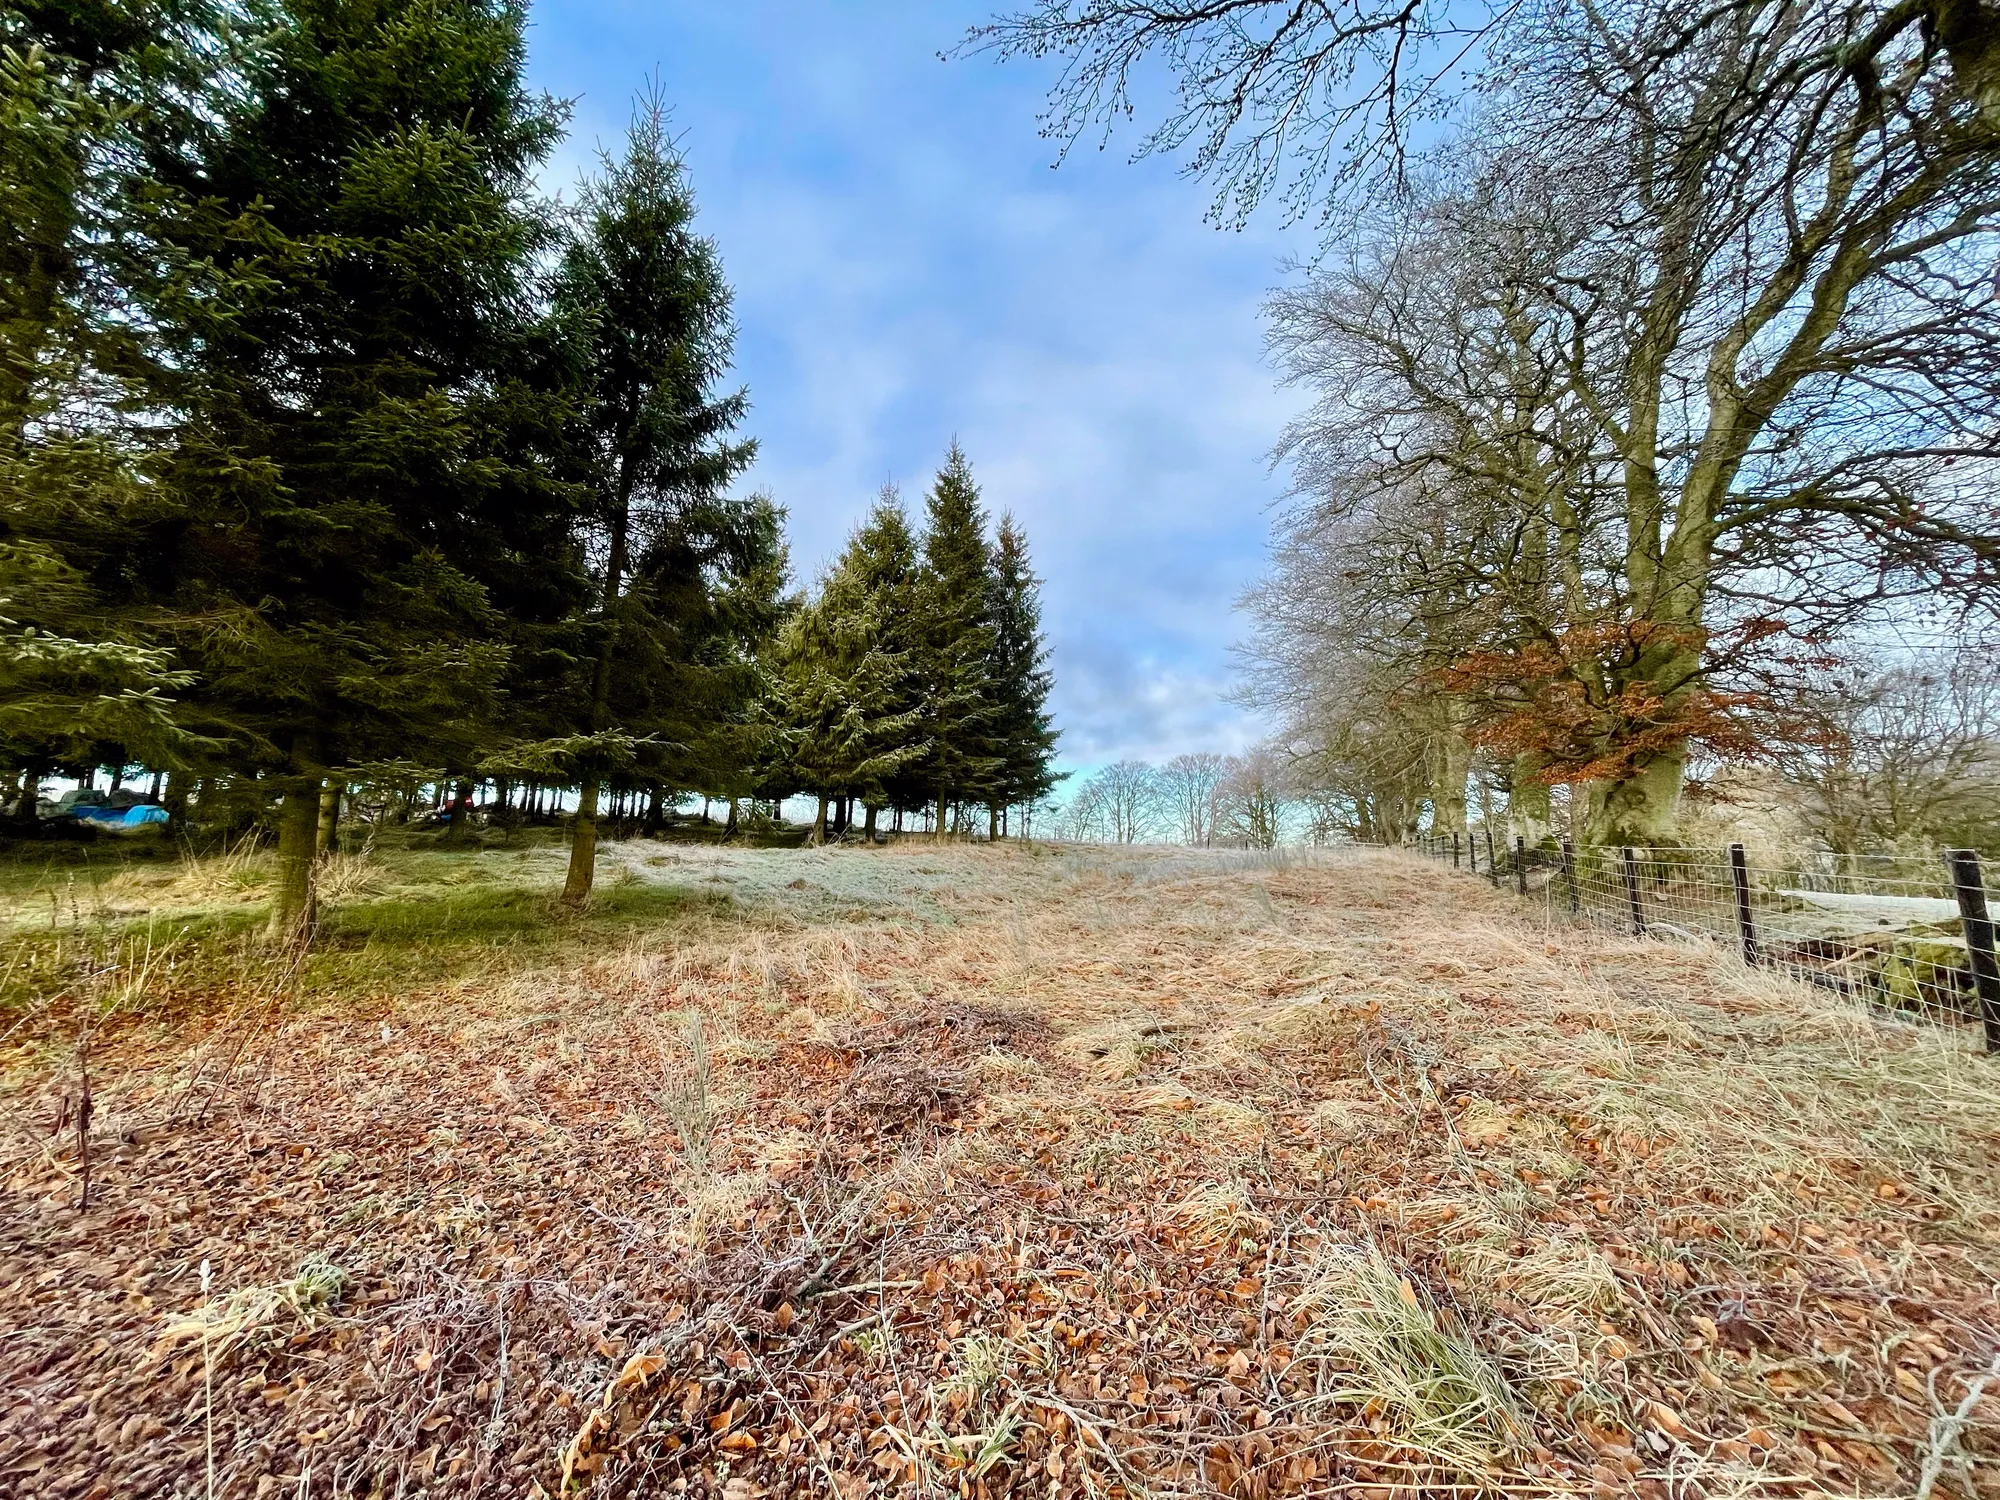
(965, 1171)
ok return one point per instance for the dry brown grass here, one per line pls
(1084, 1172)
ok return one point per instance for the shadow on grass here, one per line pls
(487, 914)
(365, 947)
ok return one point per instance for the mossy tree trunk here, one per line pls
(1641, 810)
(293, 907)
(1530, 807)
(1451, 763)
(329, 817)
(582, 846)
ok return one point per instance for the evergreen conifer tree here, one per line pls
(875, 587)
(1021, 729)
(846, 683)
(653, 446)
(86, 92)
(726, 726)
(809, 697)
(365, 195)
(955, 638)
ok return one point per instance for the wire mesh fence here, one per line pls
(1910, 936)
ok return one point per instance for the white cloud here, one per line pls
(907, 269)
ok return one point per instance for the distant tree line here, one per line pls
(1202, 799)
(335, 455)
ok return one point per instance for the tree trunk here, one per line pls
(293, 913)
(656, 808)
(938, 834)
(1642, 810)
(868, 828)
(582, 847)
(1529, 806)
(329, 818)
(818, 834)
(992, 822)
(729, 828)
(1451, 764)
(31, 792)
(175, 798)
(461, 813)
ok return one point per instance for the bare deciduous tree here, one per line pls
(1908, 757)
(1127, 797)
(1251, 802)
(1694, 321)
(1187, 788)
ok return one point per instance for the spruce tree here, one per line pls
(845, 688)
(85, 93)
(874, 587)
(653, 445)
(365, 194)
(1021, 729)
(717, 594)
(810, 697)
(954, 642)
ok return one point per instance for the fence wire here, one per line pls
(1909, 936)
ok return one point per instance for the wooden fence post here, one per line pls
(1970, 884)
(1492, 863)
(1454, 851)
(1746, 926)
(1632, 893)
(1520, 864)
(1569, 874)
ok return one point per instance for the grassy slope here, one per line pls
(1003, 1172)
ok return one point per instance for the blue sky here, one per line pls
(909, 268)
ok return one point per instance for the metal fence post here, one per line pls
(1569, 874)
(1520, 864)
(1746, 927)
(1632, 893)
(1970, 884)
(1492, 864)
(1454, 851)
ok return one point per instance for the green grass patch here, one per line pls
(439, 915)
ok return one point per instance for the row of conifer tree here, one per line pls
(918, 676)
(336, 452)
